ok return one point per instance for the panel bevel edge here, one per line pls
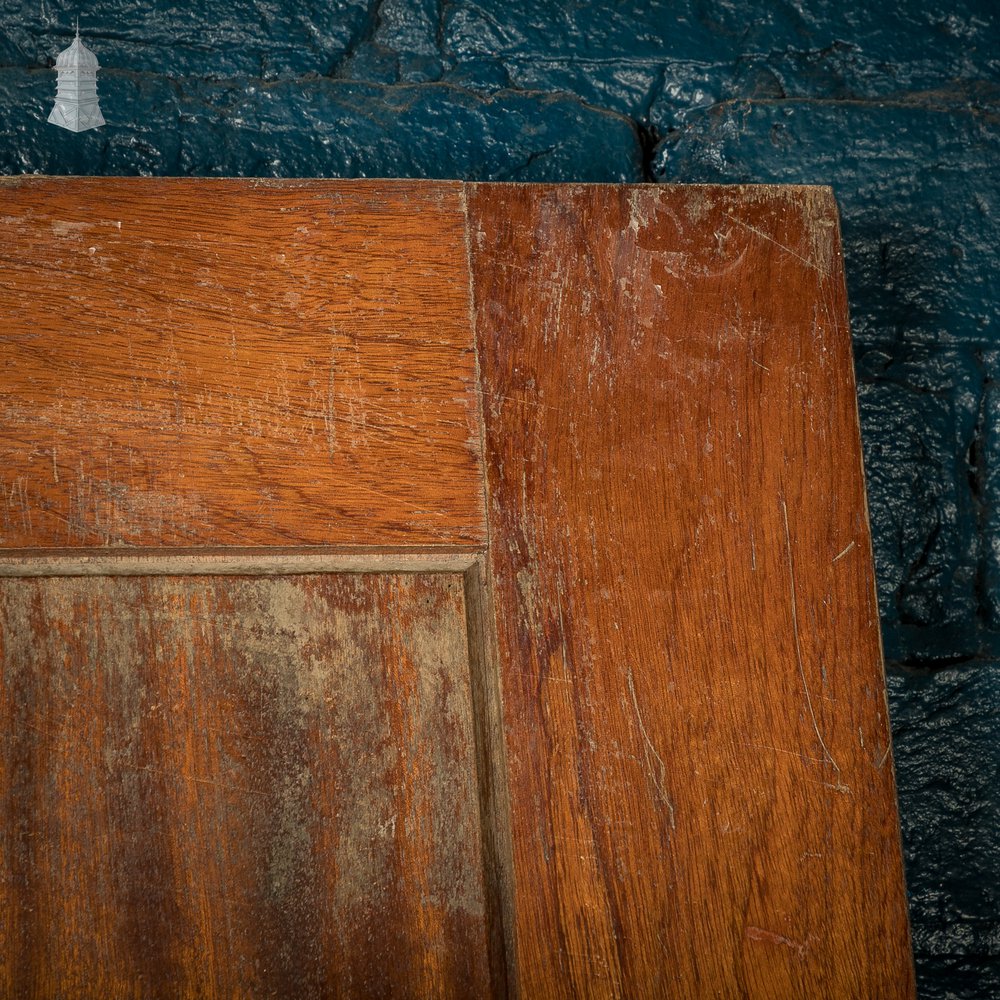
(491, 773)
(233, 561)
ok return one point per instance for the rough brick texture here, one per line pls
(897, 106)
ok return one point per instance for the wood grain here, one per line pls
(215, 362)
(695, 727)
(233, 787)
(639, 749)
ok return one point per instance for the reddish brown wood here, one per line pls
(694, 712)
(232, 787)
(648, 755)
(214, 362)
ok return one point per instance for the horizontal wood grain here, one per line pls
(695, 725)
(238, 787)
(214, 362)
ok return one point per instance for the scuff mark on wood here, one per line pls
(760, 934)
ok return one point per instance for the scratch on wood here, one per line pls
(180, 776)
(650, 749)
(798, 646)
(790, 753)
(562, 630)
(842, 554)
(328, 414)
(770, 239)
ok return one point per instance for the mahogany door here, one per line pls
(434, 590)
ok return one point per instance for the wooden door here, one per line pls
(434, 590)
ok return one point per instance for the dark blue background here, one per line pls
(897, 105)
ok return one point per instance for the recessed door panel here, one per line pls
(239, 786)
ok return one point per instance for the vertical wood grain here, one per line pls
(236, 786)
(697, 746)
(224, 362)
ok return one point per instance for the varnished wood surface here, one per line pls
(234, 787)
(663, 759)
(219, 362)
(695, 724)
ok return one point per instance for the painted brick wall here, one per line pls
(896, 105)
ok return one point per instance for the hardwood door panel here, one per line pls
(694, 711)
(638, 748)
(236, 786)
(192, 363)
